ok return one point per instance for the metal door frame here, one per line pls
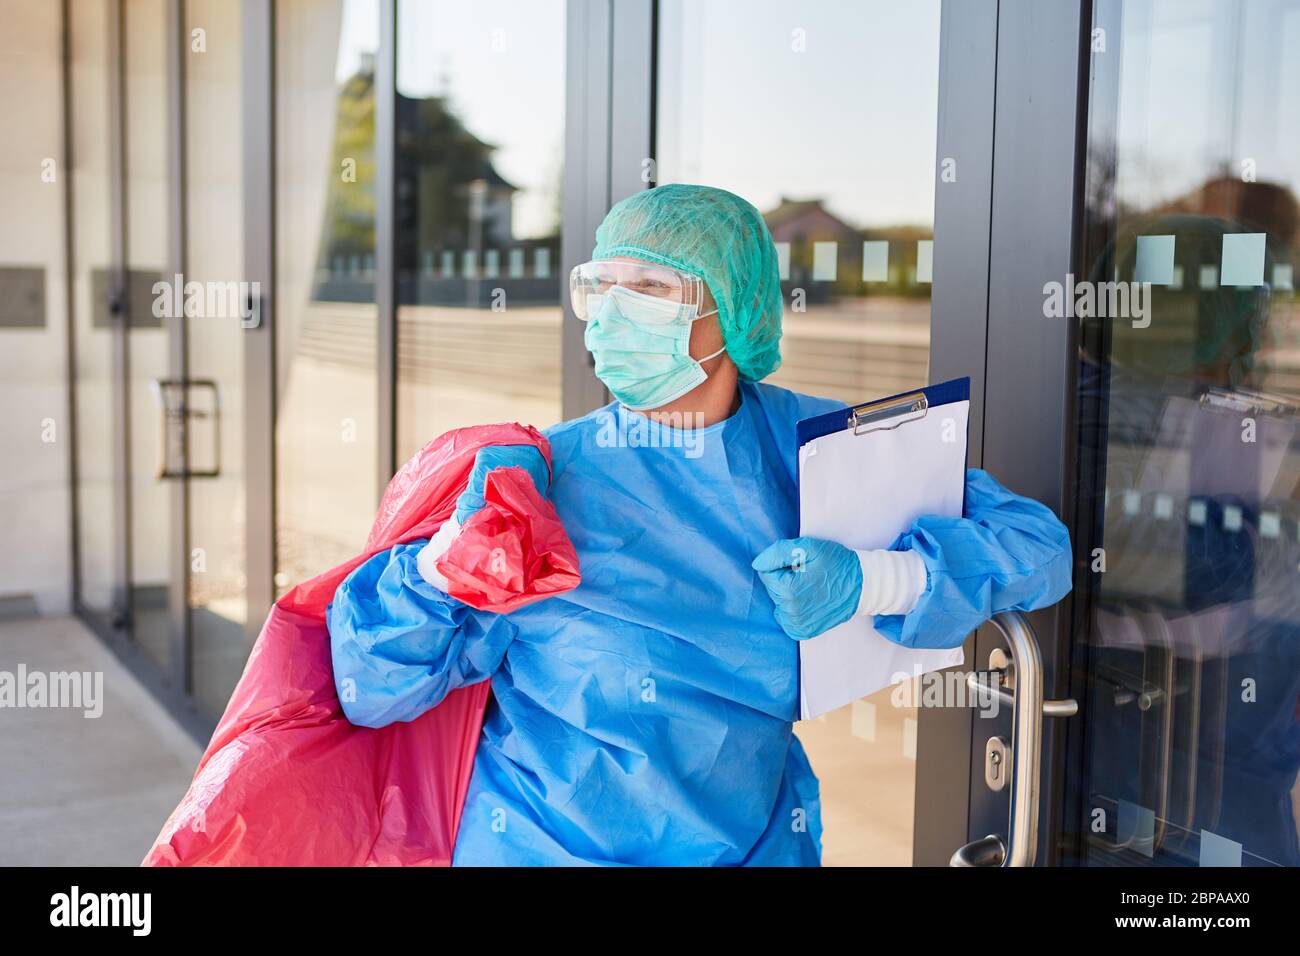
(609, 93)
(968, 64)
(1023, 432)
(257, 106)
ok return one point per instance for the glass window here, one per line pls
(1189, 397)
(34, 431)
(148, 337)
(325, 318)
(215, 257)
(480, 133)
(91, 146)
(752, 97)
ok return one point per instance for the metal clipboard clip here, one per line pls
(888, 415)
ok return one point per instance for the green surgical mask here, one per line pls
(641, 345)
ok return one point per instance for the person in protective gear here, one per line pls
(646, 716)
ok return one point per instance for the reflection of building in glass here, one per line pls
(1194, 421)
(1222, 306)
(454, 225)
(827, 257)
(867, 333)
(1270, 207)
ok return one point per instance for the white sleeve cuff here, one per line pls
(426, 561)
(892, 581)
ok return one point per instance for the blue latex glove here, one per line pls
(500, 456)
(1006, 553)
(814, 584)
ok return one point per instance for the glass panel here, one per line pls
(97, 491)
(34, 429)
(752, 98)
(325, 318)
(480, 117)
(145, 50)
(215, 259)
(1190, 442)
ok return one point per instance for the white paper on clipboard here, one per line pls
(863, 491)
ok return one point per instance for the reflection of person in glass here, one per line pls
(646, 717)
(1198, 607)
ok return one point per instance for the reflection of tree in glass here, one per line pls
(450, 198)
(348, 230)
(440, 164)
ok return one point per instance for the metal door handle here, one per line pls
(989, 851)
(1021, 845)
(1066, 707)
(173, 398)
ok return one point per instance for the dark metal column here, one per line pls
(66, 159)
(586, 180)
(1028, 440)
(118, 314)
(178, 562)
(386, 239)
(632, 100)
(958, 332)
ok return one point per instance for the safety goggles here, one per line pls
(590, 282)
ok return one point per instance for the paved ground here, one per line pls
(77, 790)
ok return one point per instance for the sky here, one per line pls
(1206, 84)
(838, 99)
(850, 119)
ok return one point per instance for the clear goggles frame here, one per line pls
(590, 282)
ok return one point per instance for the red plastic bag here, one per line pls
(286, 780)
(502, 566)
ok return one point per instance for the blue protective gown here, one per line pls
(646, 716)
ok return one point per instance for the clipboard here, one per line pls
(865, 473)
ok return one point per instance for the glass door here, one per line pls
(98, 496)
(216, 559)
(150, 331)
(123, 343)
(751, 98)
(159, 309)
(479, 167)
(1187, 635)
(326, 319)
